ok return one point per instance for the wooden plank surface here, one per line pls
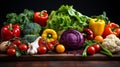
(61, 64)
(59, 57)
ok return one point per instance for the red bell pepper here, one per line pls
(10, 31)
(41, 18)
(111, 28)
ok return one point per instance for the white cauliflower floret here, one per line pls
(112, 43)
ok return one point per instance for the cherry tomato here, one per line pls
(42, 49)
(55, 42)
(17, 42)
(50, 46)
(42, 42)
(97, 47)
(99, 38)
(12, 45)
(11, 52)
(91, 50)
(60, 48)
(23, 47)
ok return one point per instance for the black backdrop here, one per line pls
(87, 7)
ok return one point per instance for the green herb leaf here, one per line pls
(18, 53)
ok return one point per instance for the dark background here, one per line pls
(86, 7)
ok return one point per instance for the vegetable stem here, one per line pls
(10, 27)
(84, 54)
(105, 51)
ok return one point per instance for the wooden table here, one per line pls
(61, 64)
(60, 60)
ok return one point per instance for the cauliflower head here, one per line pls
(112, 43)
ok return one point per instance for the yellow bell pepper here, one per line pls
(97, 26)
(50, 35)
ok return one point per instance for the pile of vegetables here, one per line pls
(65, 30)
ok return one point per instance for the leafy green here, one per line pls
(25, 17)
(18, 54)
(66, 17)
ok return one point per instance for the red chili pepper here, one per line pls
(111, 28)
(10, 31)
(41, 17)
(88, 34)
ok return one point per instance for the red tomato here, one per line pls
(55, 42)
(12, 45)
(97, 47)
(91, 50)
(50, 46)
(11, 52)
(17, 42)
(23, 47)
(41, 42)
(42, 49)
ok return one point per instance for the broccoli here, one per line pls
(32, 28)
(29, 38)
(30, 32)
